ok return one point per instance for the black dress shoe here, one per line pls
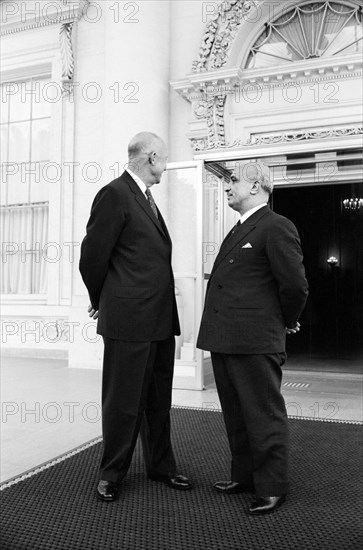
(107, 491)
(232, 487)
(175, 482)
(265, 505)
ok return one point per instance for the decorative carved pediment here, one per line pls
(214, 79)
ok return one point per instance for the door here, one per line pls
(218, 219)
(329, 219)
(180, 198)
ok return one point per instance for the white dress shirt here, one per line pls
(139, 182)
(251, 211)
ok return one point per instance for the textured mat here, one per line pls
(56, 508)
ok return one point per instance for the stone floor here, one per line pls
(48, 409)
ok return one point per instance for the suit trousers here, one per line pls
(136, 395)
(249, 387)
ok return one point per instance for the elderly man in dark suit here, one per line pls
(256, 293)
(126, 266)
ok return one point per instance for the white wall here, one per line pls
(126, 53)
(188, 22)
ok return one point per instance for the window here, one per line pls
(306, 32)
(25, 152)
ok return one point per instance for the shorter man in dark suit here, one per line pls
(126, 266)
(255, 295)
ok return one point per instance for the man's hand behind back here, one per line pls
(293, 330)
(92, 312)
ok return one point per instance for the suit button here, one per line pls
(220, 286)
(231, 261)
(215, 310)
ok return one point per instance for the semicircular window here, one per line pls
(308, 31)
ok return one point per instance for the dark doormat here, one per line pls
(55, 508)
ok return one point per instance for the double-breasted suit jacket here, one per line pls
(126, 265)
(257, 287)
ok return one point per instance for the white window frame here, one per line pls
(47, 63)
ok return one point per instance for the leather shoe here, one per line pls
(232, 487)
(107, 491)
(175, 482)
(265, 505)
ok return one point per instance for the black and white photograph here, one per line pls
(181, 274)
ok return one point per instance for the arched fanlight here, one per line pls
(308, 31)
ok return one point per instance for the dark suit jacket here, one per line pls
(255, 292)
(126, 265)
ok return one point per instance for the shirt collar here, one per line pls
(252, 211)
(137, 180)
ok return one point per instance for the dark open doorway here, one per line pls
(331, 338)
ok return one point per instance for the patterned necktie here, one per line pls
(235, 227)
(229, 235)
(150, 198)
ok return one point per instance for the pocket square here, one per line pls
(247, 245)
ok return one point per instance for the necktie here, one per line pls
(235, 227)
(231, 231)
(150, 198)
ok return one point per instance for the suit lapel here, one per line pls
(163, 226)
(142, 201)
(238, 233)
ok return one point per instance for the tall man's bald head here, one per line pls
(148, 155)
(144, 142)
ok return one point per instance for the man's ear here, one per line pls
(255, 188)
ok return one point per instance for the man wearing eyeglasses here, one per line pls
(126, 266)
(255, 295)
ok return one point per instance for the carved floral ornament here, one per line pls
(220, 33)
(66, 44)
(303, 135)
(204, 144)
